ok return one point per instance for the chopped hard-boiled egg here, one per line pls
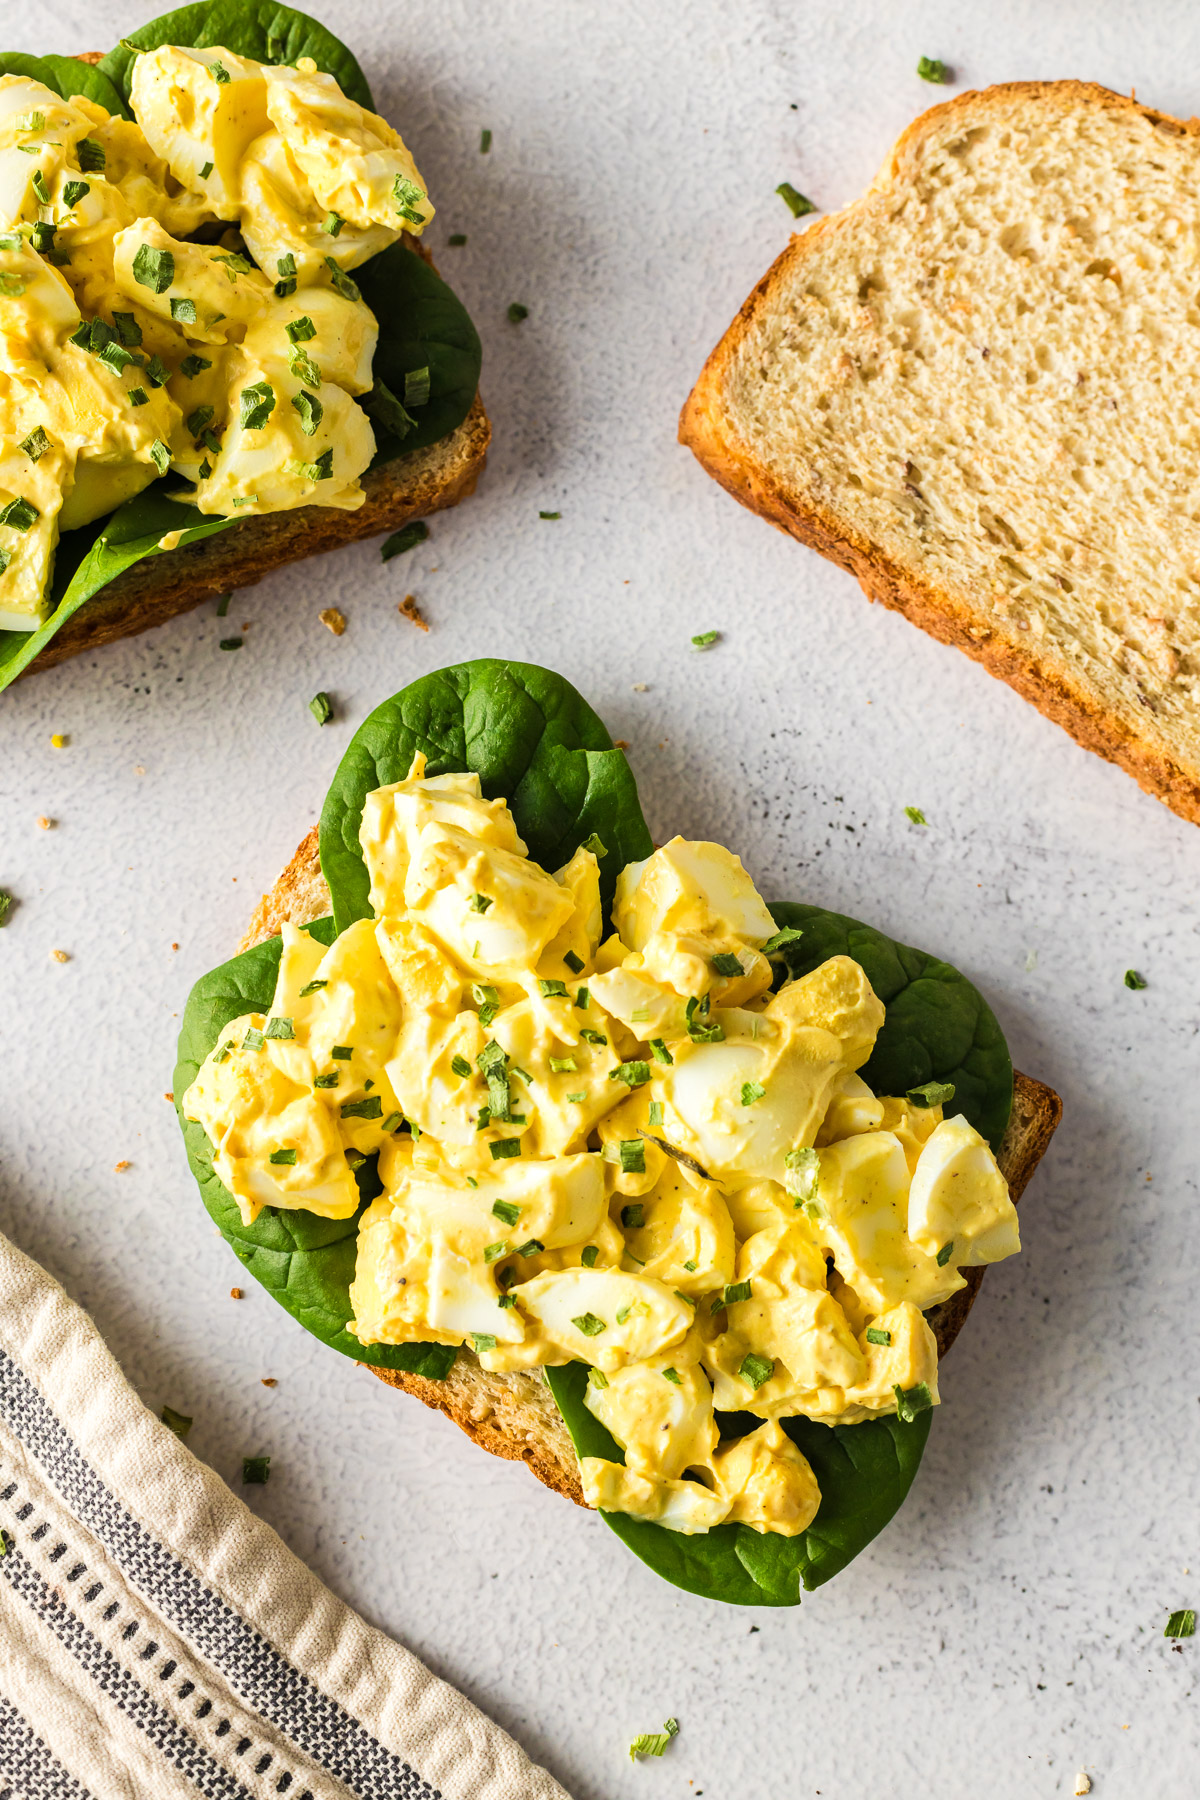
(582, 1161)
(145, 341)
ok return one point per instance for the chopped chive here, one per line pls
(35, 445)
(690, 1267)
(589, 1324)
(588, 1255)
(660, 1051)
(573, 962)
(354, 1158)
(533, 1247)
(563, 1065)
(780, 939)
(405, 539)
(253, 1039)
(597, 1378)
(752, 1091)
(223, 606)
(801, 1174)
(310, 410)
(633, 1162)
(234, 643)
(653, 1743)
(726, 963)
(915, 815)
(633, 1074)
(506, 1300)
(219, 72)
(416, 387)
(153, 268)
(671, 1376)
(504, 1148)
(370, 1108)
(393, 1122)
(40, 188)
(457, 239)
(280, 1028)
(321, 708)
(483, 1340)
(138, 397)
(911, 1401)
(183, 310)
(1134, 980)
(756, 1370)
(578, 1099)
(517, 312)
(20, 514)
(485, 141)
(206, 170)
(656, 1113)
(90, 155)
(327, 1081)
(696, 1016)
(157, 372)
(595, 844)
(798, 204)
(1181, 1624)
(342, 1052)
(284, 1158)
(256, 1470)
(932, 1093)
(340, 281)
(930, 68)
(460, 1066)
(300, 330)
(479, 902)
(73, 192)
(623, 1312)
(506, 1212)
(593, 1037)
(583, 999)
(633, 1217)
(493, 1252)
(945, 1253)
(704, 640)
(257, 405)
(549, 515)
(876, 1335)
(177, 1422)
(553, 990)
(332, 223)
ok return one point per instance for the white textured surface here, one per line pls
(1006, 1630)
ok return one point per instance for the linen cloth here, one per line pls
(158, 1640)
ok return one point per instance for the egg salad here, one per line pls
(650, 1152)
(175, 295)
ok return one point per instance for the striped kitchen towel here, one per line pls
(158, 1640)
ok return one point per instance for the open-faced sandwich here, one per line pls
(220, 346)
(676, 1196)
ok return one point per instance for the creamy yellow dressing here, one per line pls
(631, 1153)
(129, 346)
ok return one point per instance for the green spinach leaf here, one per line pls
(422, 325)
(64, 76)
(260, 29)
(863, 1472)
(531, 737)
(305, 1263)
(88, 559)
(938, 1026)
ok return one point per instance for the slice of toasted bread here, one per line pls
(159, 587)
(514, 1415)
(970, 390)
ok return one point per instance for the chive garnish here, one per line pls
(138, 397)
(183, 310)
(931, 68)
(285, 268)
(876, 1335)
(517, 312)
(588, 1255)
(206, 170)
(177, 1422)
(285, 1157)
(280, 1028)
(589, 1324)
(704, 640)
(457, 239)
(533, 1247)
(20, 514)
(483, 1340)
(257, 405)
(407, 538)
(493, 1252)
(369, 1108)
(756, 1370)
(321, 708)
(798, 204)
(394, 1121)
(660, 1052)
(460, 1066)
(485, 141)
(253, 1039)
(35, 445)
(90, 155)
(504, 1148)
(573, 962)
(671, 1376)
(633, 1162)
(327, 1081)
(656, 1112)
(633, 1217)
(1181, 1624)
(945, 1253)
(256, 1470)
(342, 1052)
(653, 1743)
(153, 268)
(74, 191)
(752, 1091)
(932, 1093)
(779, 940)
(506, 1212)
(595, 844)
(578, 1099)
(597, 1378)
(479, 902)
(726, 963)
(911, 1401)
(1134, 980)
(219, 72)
(633, 1074)
(696, 1014)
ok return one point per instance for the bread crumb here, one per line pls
(58, 741)
(60, 956)
(45, 824)
(1083, 1783)
(235, 1293)
(641, 687)
(409, 609)
(269, 1381)
(169, 1096)
(120, 1168)
(138, 769)
(174, 946)
(335, 620)
(621, 743)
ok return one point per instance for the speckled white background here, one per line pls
(1006, 1630)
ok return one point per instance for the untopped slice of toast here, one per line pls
(159, 587)
(514, 1415)
(976, 390)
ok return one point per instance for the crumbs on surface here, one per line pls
(169, 1096)
(45, 824)
(236, 1294)
(335, 620)
(59, 741)
(409, 610)
(119, 1168)
(60, 955)
(269, 1381)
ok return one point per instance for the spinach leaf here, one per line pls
(938, 1026)
(260, 29)
(422, 324)
(304, 1262)
(863, 1471)
(88, 559)
(64, 76)
(531, 737)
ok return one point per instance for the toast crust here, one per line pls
(161, 587)
(706, 429)
(514, 1415)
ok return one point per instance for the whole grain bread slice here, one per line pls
(973, 389)
(514, 1415)
(410, 487)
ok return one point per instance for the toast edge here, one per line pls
(705, 429)
(299, 895)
